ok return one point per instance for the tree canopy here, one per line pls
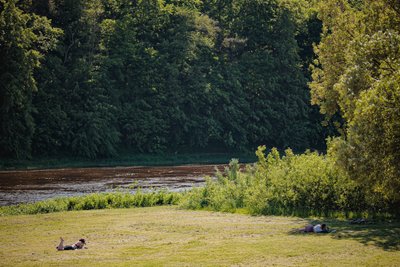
(24, 40)
(357, 75)
(154, 75)
(94, 78)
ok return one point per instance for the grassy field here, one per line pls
(168, 236)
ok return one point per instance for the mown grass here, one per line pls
(126, 159)
(168, 236)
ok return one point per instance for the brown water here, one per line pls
(34, 185)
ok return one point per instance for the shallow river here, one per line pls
(34, 185)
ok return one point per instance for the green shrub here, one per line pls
(305, 184)
(96, 201)
(194, 199)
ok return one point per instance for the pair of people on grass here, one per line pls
(318, 228)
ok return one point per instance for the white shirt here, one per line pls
(317, 228)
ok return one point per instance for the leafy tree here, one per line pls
(357, 75)
(24, 39)
(132, 70)
(157, 75)
(75, 114)
(271, 77)
(187, 54)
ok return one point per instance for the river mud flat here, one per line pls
(26, 186)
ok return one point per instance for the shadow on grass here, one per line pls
(382, 235)
(385, 236)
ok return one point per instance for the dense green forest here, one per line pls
(92, 78)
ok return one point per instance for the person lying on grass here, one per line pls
(318, 228)
(78, 245)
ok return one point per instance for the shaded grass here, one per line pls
(167, 236)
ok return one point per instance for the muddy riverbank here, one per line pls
(34, 185)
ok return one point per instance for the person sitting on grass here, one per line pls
(78, 245)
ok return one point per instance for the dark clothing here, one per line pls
(309, 229)
(69, 248)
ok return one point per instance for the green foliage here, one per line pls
(306, 184)
(96, 201)
(151, 76)
(83, 110)
(370, 152)
(24, 39)
(357, 75)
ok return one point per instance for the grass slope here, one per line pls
(167, 236)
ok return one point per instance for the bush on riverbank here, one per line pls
(305, 184)
(96, 201)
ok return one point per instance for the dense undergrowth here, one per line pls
(304, 185)
(307, 184)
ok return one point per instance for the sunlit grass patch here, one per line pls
(168, 236)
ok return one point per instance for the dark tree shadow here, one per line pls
(385, 235)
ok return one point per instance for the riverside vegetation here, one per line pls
(307, 184)
(95, 201)
(95, 78)
(304, 185)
